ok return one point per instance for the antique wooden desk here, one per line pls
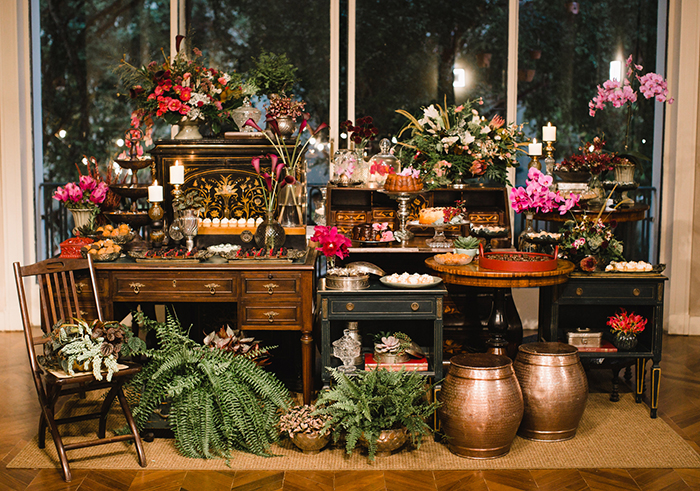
(502, 281)
(269, 296)
(394, 306)
(588, 299)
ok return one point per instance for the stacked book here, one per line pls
(420, 364)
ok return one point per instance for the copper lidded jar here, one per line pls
(555, 390)
(482, 405)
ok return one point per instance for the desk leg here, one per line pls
(498, 324)
(307, 375)
(325, 351)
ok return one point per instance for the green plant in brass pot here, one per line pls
(380, 407)
(305, 429)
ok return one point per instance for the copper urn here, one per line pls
(482, 405)
(555, 390)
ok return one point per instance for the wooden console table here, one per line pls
(588, 299)
(270, 296)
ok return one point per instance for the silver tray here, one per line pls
(436, 281)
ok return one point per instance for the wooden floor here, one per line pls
(679, 407)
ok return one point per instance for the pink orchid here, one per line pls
(331, 242)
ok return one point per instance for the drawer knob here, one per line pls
(136, 287)
(271, 316)
(79, 288)
(269, 276)
(271, 287)
(349, 306)
(212, 287)
(174, 283)
(636, 292)
(579, 291)
(415, 306)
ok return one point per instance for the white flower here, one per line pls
(467, 138)
(486, 130)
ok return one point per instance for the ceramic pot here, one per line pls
(625, 342)
(311, 443)
(81, 217)
(188, 130)
(624, 173)
(555, 390)
(481, 405)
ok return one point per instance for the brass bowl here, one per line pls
(311, 443)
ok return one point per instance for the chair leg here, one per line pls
(106, 405)
(42, 430)
(132, 425)
(60, 449)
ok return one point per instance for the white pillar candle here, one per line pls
(534, 148)
(155, 193)
(177, 173)
(549, 133)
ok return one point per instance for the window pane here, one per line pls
(81, 45)
(231, 36)
(411, 54)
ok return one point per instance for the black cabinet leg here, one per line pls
(615, 394)
(641, 373)
(655, 381)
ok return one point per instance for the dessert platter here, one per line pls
(543, 237)
(488, 231)
(634, 267)
(407, 280)
(373, 233)
(438, 218)
(102, 251)
(453, 259)
(281, 254)
(168, 254)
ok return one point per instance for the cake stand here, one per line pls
(438, 240)
(403, 198)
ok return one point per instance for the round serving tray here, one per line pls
(538, 262)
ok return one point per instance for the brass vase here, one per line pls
(388, 441)
(311, 443)
(555, 390)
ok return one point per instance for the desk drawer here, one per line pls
(172, 287)
(262, 316)
(381, 307)
(612, 290)
(266, 285)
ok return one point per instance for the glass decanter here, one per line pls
(347, 349)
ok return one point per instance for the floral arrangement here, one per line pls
(300, 419)
(383, 228)
(589, 244)
(625, 323)
(184, 88)
(88, 192)
(448, 143)
(410, 171)
(381, 169)
(536, 197)
(331, 243)
(622, 93)
(77, 344)
(362, 132)
(394, 343)
(284, 107)
(592, 159)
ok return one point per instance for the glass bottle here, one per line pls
(523, 244)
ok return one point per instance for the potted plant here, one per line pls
(466, 245)
(308, 431)
(273, 74)
(625, 328)
(379, 407)
(391, 347)
(83, 346)
(219, 401)
(82, 198)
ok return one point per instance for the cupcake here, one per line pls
(216, 222)
(224, 222)
(251, 222)
(206, 222)
(258, 221)
(241, 222)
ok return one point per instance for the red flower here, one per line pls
(331, 242)
(588, 264)
(627, 323)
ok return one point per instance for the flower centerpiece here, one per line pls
(83, 199)
(361, 133)
(331, 243)
(589, 243)
(456, 142)
(592, 159)
(623, 93)
(183, 90)
(625, 327)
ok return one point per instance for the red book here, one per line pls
(605, 347)
(420, 364)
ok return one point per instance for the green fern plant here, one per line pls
(366, 403)
(220, 401)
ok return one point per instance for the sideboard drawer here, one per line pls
(261, 316)
(609, 291)
(172, 288)
(385, 308)
(271, 284)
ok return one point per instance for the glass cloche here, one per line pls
(382, 164)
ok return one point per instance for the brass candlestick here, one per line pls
(534, 162)
(156, 214)
(549, 159)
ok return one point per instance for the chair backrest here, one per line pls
(58, 288)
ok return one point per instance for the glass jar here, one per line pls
(381, 165)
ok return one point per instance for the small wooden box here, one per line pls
(584, 337)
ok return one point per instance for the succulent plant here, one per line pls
(466, 242)
(393, 343)
(300, 419)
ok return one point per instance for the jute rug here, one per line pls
(610, 435)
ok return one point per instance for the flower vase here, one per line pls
(523, 244)
(292, 200)
(624, 173)
(188, 130)
(81, 217)
(269, 234)
(625, 341)
(597, 193)
(286, 126)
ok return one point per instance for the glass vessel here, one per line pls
(597, 193)
(382, 164)
(292, 200)
(344, 163)
(269, 234)
(523, 244)
(188, 225)
(625, 341)
(347, 349)
(244, 113)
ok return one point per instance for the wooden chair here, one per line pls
(59, 290)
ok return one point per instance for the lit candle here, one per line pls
(549, 133)
(155, 193)
(534, 148)
(177, 173)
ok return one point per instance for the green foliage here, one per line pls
(368, 402)
(191, 200)
(220, 402)
(466, 242)
(273, 74)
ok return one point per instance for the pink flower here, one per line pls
(331, 243)
(387, 236)
(100, 193)
(75, 194)
(60, 194)
(87, 183)
(174, 105)
(222, 80)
